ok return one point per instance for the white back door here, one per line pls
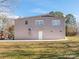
(40, 35)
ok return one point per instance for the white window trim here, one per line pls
(40, 24)
(56, 23)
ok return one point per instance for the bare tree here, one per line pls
(7, 7)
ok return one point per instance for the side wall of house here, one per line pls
(49, 32)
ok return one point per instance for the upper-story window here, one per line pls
(56, 22)
(26, 22)
(39, 23)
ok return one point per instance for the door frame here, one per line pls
(40, 35)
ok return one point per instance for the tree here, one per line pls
(7, 26)
(8, 5)
(71, 27)
(11, 32)
(3, 22)
(57, 14)
(6, 8)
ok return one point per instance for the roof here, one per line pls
(45, 15)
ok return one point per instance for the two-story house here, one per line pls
(44, 27)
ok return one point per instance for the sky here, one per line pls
(38, 7)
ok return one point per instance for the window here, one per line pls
(26, 22)
(29, 29)
(39, 23)
(55, 22)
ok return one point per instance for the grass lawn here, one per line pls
(74, 38)
(41, 50)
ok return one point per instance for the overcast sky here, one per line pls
(38, 7)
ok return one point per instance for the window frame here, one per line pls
(26, 22)
(56, 23)
(39, 23)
